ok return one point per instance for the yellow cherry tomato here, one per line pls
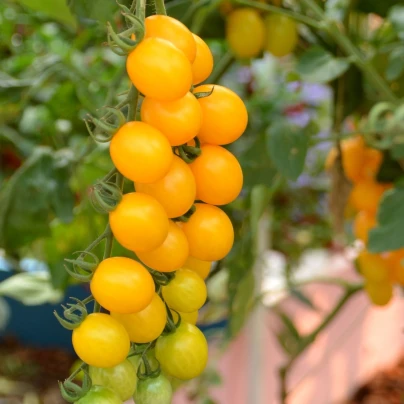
(179, 120)
(224, 115)
(218, 175)
(281, 34)
(170, 255)
(122, 285)
(202, 268)
(190, 318)
(186, 292)
(101, 341)
(141, 152)
(139, 222)
(395, 261)
(366, 195)
(373, 266)
(363, 223)
(146, 325)
(159, 70)
(172, 30)
(245, 32)
(203, 63)
(209, 232)
(380, 293)
(176, 191)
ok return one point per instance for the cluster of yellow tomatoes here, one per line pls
(164, 67)
(361, 165)
(248, 33)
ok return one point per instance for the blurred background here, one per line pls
(283, 320)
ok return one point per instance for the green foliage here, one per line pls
(389, 233)
(318, 65)
(98, 10)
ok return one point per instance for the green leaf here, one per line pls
(289, 338)
(31, 289)
(376, 6)
(287, 145)
(98, 10)
(389, 234)
(37, 191)
(55, 9)
(319, 66)
(397, 152)
(396, 17)
(395, 65)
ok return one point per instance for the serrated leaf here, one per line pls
(320, 66)
(389, 233)
(55, 9)
(287, 145)
(395, 65)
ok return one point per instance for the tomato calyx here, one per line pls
(73, 315)
(204, 94)
(149, 372)
(103, 130)
(105, 196)
(171, 325)
(72, 392)
(188, 153)
(160, 278)
(185, 217)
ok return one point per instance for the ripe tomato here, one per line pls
(186, 292)
(122, 285)
(146, 325)
(171, 255)
(373, 161)
(159, 70)
(155, 390)
(179, 120)
(366, 195)
(101, 341)
(363, 223)
(139, 222)
(100, 395)
(373, 266)
(218, 175)
(184, 353)
(224, 115)
(245, 32)
(395, 261)
(190, 318)
(176, 191)
(121, 379)
(281, 34)
(209, 232)
(380, 293)
(202, 268)
(172, 30)
(148, 147)
(203, 63)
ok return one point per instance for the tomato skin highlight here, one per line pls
(184, 353)
(209, 232)
(202, 268)
(245, 32)
(179, 120)
(146, 325)
(281, 35)
(186, 292)
(139, 222)
(224, 115)
(203, 63)
(176, 191)
(159, 70)
(156, 390)
(122, 285)
(172, 30)
(121, 379)
(100, 395)
(101, 341)
(218, 175)
(169, 256)
(147, 146)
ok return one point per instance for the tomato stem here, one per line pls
(160, 7)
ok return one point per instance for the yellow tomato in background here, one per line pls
(281, 35)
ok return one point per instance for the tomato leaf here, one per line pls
(395, 65)
(287, 145)
(97, 10)
(55, 9)
(320, 66)
(389, 233)
(38, 189)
